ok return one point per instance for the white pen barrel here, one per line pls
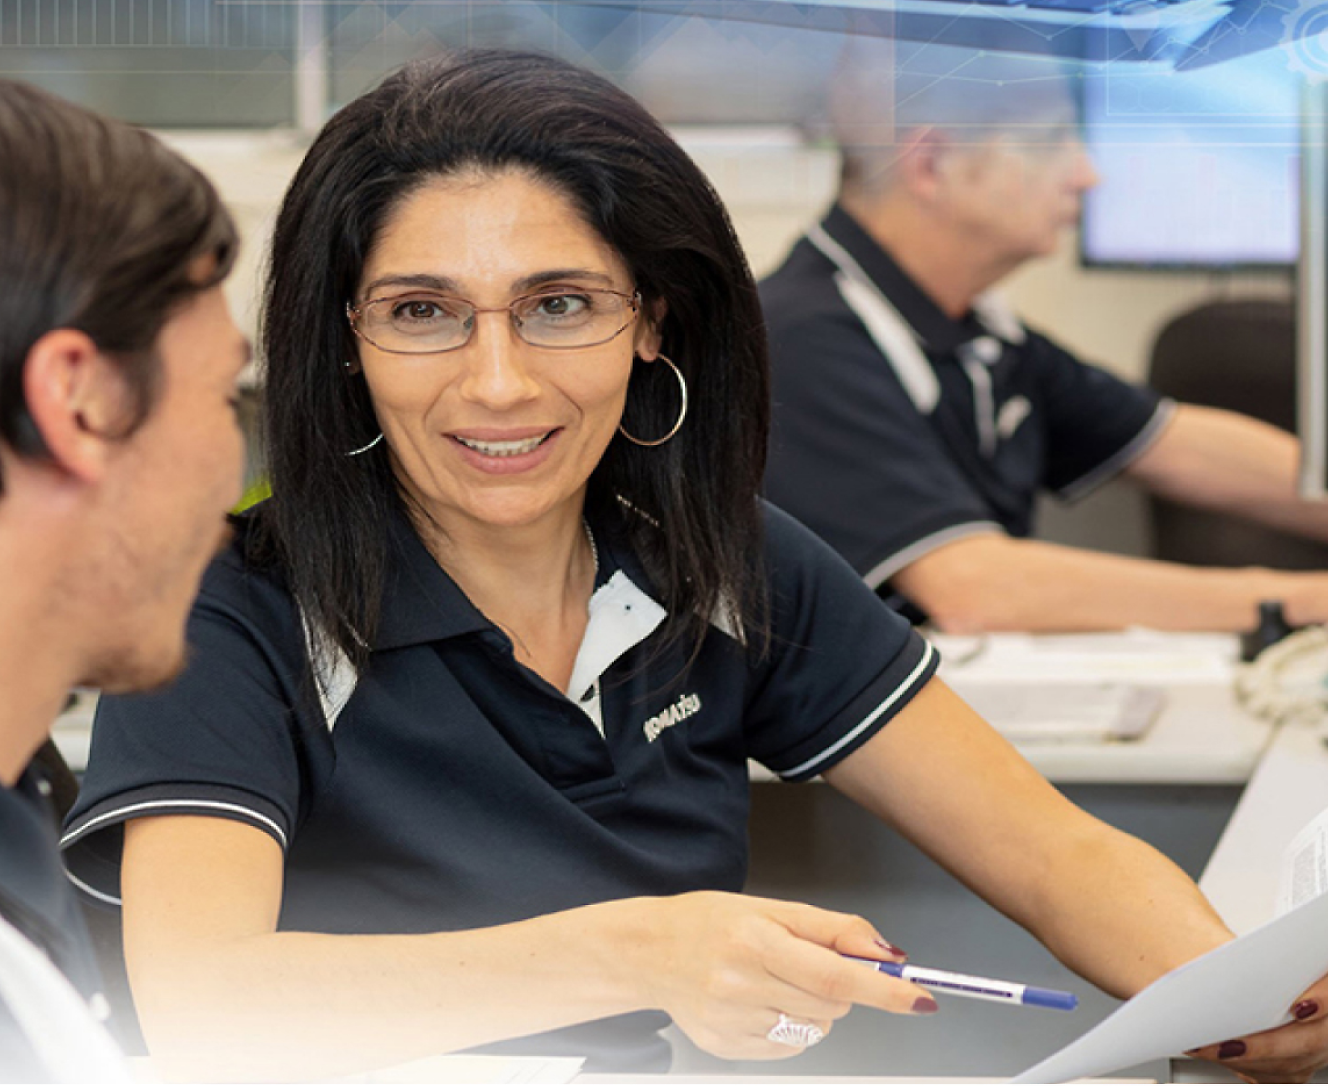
(998, 991)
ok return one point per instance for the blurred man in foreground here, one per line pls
(120, 454)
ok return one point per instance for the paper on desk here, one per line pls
(1242, 987)
(476, 1069)
(1126, 656)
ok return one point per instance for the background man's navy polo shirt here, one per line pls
(860, 456)
(451, 787)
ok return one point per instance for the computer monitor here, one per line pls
(1199, 170)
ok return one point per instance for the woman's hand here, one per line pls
(729, 965)
(1289, 1053)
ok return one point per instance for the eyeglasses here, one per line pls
(559, 320)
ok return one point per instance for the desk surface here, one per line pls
(1286, 791)
(1200, 737)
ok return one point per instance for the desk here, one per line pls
(1287, 790)
(1200, 737)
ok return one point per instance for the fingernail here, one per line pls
(1306, 1008)
(1231, 1050)
(925, 1005)
(890, 948)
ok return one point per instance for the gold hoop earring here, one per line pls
(682, 414)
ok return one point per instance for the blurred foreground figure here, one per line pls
(120, 454)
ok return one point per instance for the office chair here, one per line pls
(1239, 355)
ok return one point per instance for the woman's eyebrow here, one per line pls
(444, 285)
(557, 275)
(439, 283)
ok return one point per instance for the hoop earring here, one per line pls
(682, 414)
(365, 448)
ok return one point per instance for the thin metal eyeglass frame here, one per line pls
(354, 312)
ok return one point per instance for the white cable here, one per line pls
(1288, 681)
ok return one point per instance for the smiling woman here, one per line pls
(497, 411)
(460, 756)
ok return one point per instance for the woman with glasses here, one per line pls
(461, 755)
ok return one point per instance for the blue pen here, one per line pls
(999, 991)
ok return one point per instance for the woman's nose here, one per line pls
(497, 373)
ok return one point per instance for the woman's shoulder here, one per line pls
(803, 571)
(246, 582)
(789, 541)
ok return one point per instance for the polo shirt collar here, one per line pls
(421, 603)
(937, 331)
(621, 616)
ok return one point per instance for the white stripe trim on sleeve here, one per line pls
(899, 691)
(120, 814)
(883, 571)
(1126, 455)
(110, 899)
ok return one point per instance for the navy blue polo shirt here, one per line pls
(450, 787)
(898, 429)
(37, 900)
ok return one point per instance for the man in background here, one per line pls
(917, 419)
(120, 454)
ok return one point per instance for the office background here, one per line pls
(238, 85)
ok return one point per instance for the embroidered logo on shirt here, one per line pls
(680, 710)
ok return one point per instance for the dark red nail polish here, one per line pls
(1231, 1050)
(927, 1005)
(1306, 1008)
(890, 948)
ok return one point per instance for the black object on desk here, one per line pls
(1271, 627)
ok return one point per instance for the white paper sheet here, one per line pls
(1242, 987)
(1304, 866)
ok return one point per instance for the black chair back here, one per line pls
(1239, 355)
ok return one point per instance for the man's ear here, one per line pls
(648, 336)
(77, 399)
(926, 155)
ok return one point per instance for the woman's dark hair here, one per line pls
(100, 230)
(691, 504)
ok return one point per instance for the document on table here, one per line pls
(477, 1069)
(1243, 987)
(438, 1070)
